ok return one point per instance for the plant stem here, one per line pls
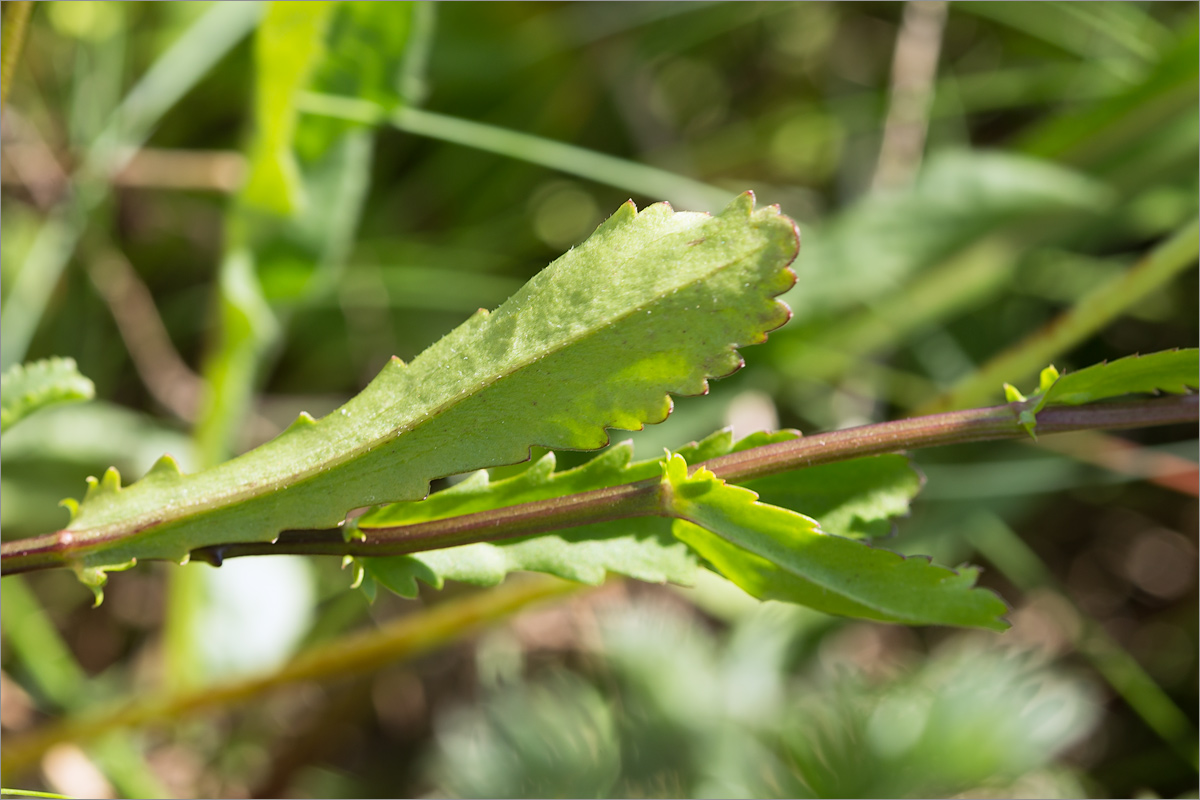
(602, 168)
(639, 499)
(642, 498)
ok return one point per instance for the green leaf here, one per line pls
(856, 498)
(1173, 371)
(26, 388)
(641, 548)
(1028, 415)
(853, 498)
(287, 47)
(653, 303)
(777, 554)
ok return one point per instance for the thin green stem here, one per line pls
(32, 793)
(599, 167)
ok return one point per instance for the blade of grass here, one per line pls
(609, 170)
(1090, 314)
(1101, 134)
(172, 76)
(32, 636)
(1079, 31)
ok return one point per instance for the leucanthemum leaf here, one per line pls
(26, 388)
(777, 554)
(654, 303)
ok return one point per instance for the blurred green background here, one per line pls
(962, 175)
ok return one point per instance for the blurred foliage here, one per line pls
(32, 387)
(1060, 147)
(685, 715)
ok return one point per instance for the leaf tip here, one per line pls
(358, 572)
(1012, 394)
(108, 484)
(166, 465)
(742, 205)
(625, 213)
(674, 470)
(96, 577)
(71, 505)
(1047, 378)
(302, 420)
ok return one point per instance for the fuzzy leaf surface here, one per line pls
(26, 388)
(653, 303)
(776, 554)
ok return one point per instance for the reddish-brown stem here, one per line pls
(638, 499)
(642, 498)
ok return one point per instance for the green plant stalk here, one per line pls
(16, 18)
(1091, 313)
(32, 793)
(599, 167)
(399, 640)
(996, 542)
(642, 498)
